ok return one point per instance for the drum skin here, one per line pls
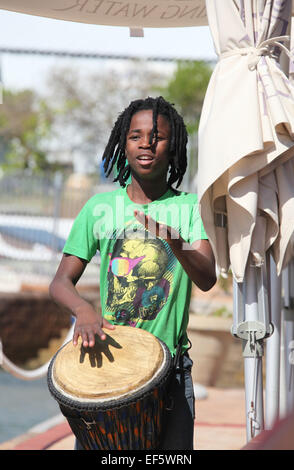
(112, 395)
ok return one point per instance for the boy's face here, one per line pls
(148, 161)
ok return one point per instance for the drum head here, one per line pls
(125, 361)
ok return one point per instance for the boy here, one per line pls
(152, 246)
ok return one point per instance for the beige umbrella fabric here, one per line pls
(138, 13)
(246, 136)
(291, 66)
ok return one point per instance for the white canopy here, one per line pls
(139, 13)
(246, 136)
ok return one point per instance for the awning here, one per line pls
(139, 13)
(246, 136)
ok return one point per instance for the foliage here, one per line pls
(73, 120)
(25, 122)
(222, 312)
(187, 88)
(225, 283)
(87, 105)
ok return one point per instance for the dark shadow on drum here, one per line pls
(100, 348)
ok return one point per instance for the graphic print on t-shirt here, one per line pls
(139, 277)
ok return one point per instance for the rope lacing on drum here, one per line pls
(88, 424)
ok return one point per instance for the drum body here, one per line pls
(112, 395)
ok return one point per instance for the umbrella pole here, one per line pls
(252, 352)
(252, 325)
(273, 347)
(288, 338)
(283, 386)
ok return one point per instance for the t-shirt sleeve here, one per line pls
(197, 231)
(81, 241)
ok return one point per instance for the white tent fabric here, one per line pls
(246, 136)
(291, 66)
(144, 13)
(139, 13)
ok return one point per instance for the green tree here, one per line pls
(25, 122)
(186, 89)
(88, 104)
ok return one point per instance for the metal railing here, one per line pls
(36, 215)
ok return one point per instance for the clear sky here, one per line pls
(32, 32)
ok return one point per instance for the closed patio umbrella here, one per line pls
(246, 171)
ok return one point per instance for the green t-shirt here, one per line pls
(142, 284)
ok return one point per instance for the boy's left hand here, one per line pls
(159, 230)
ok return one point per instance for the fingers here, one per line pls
(75, 337)
(149, 223)
(88, 332)
(89, 339)
(155, 228)
(106, 324)
(87, 336)
(140, 216)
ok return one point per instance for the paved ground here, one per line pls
(220, 420)
(220, 425)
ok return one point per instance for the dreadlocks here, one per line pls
(115, 148)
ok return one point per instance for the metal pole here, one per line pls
(289, 353)
(283, 380)
(252, 360)
(288, 339)
(290, 344)
(283, 372)
(252, 325)
(272, 388)
(56, 211)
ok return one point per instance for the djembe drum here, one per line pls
(112, 395)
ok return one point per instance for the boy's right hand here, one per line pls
(89, 323)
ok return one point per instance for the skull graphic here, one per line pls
(137, 282)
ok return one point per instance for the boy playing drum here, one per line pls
(152, 246)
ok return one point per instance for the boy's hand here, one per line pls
(159, 230)
(197, 258)
(89, 323)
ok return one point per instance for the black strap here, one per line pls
(176, 365)
(176, 359)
